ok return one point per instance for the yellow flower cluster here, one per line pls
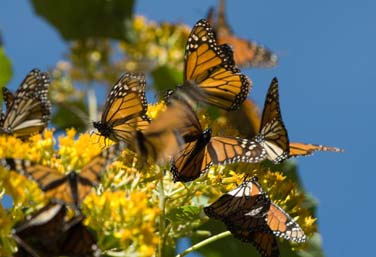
(129, 217)
(137, 209)
(155, 45)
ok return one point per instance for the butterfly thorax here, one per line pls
(103, 128)
(205, 137)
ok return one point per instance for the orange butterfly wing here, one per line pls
(125, 109)
(211, 67)
(302, 149)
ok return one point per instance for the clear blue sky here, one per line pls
(326, 74)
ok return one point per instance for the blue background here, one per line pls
(326, 73)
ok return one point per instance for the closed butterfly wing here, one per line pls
(125, 109)
(273, 133)
(29, 110)
(8, 98)
(192, 160)
(302, 149)
(246, 53)
(211, 68)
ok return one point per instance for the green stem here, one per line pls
(204, 242)
(162, 224)
(92, 101)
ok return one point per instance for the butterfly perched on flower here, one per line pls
(202, 150)
(246, 53)
(28, 110)
(251, 217)
(125, 109)
(210, 68)
(71, 188)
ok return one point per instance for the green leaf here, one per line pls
(166, 77)
(5, 68)
(183, 214)
(88, 18)
(67, 116)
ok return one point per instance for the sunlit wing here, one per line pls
(212, 69)
(29, 109)
(273, 134)
(125, 109)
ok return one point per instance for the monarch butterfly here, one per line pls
(29, 110)
(40, 230)
(77, 241)
(301, 149)
(47, 233)
(167, 133)
(71, 188)
(125, 109)
(246, 53)
(253, 220)
(273, 134)
(248, 196)
(210, 67)
(201, 151)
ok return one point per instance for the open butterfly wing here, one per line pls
(248, 199)
(302, 149)
(55, 184)
(265, 242)
(246, 53)
(226, 150)
(283, 225)
(211, 67)
(29, 110)
(198, 156)
(125, 109)
(90, 175)
(273, 133)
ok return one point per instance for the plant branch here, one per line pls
(204, 242)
